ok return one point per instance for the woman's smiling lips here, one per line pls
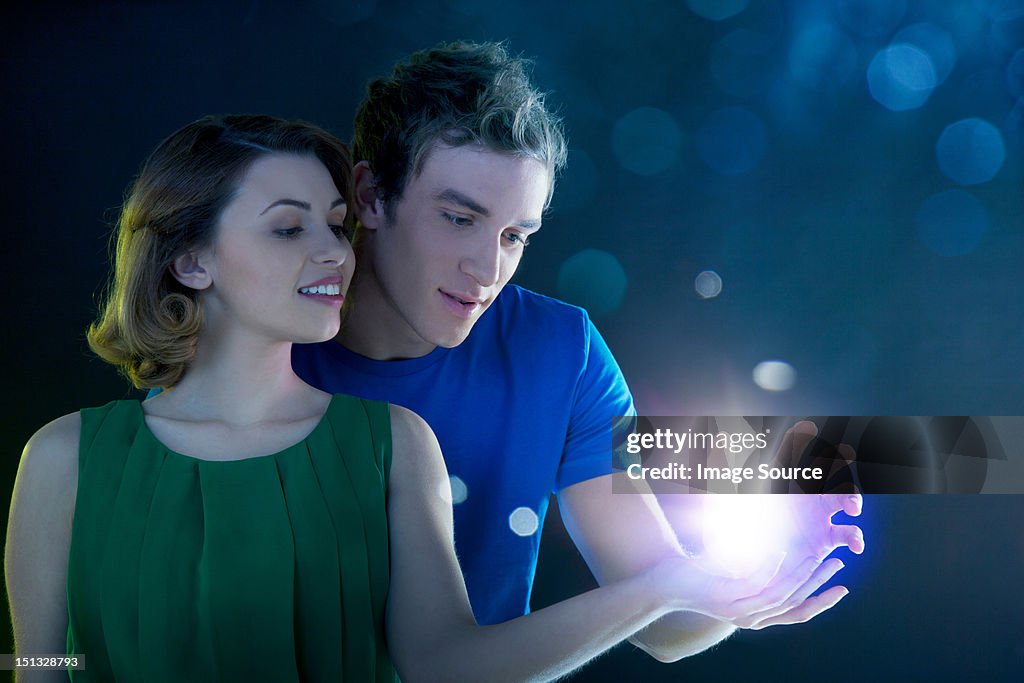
(326, 290)
(462, 305)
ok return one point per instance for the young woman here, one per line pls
(243, 525)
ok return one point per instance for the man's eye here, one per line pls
(288, 233)
(517, 238)
(456, 220)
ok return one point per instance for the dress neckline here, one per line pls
(148, 435)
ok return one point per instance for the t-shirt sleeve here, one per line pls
(601, 396)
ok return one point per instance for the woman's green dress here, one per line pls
(272, 568)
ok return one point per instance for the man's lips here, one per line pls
(463, 298)
(461, 305)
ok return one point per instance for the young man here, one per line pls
(457, 160)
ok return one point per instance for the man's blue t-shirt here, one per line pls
(522, 408)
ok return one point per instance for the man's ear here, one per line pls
(191, 270)
(368, 206)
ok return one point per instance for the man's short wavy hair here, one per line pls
(149, 322)
(456, 94)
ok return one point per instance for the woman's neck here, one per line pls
(241, 380)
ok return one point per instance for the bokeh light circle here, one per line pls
(646, 141)
(774, 375)
(970, 151)
(901, 77)
(523, 521)
(732, 141)
(716, 10)
(708, 284)
(952, 223)
(593, 279)
(935, 42)
(459, 490)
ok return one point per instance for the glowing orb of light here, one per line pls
(523, 522)
(744, 531)
(901, 77)
(774, 375)
(708, 284)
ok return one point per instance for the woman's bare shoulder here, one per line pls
(52, 453)
(414, 446)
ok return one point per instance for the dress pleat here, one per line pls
(268, 568)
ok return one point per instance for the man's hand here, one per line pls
(762, 599)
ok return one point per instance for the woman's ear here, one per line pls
(190, 269)
(369, 209)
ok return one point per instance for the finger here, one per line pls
(780, 591)
(819, 578)
(806, 610)
(848, 535)
(853, 504)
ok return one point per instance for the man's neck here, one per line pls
(372, 326)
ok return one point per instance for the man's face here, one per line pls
(445, 249)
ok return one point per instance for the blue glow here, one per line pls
(646, 141)
(732, 141)
(952, 223)
(871, 18)
(716, 10)
(593, 279)
(1015, 74)
(935, 42)
(821, 56)
(901, 77)
(970, 151)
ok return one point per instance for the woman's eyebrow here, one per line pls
(302, 205)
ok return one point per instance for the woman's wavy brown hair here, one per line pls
(149, 322)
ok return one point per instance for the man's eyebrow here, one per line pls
(302, 205)
(456, 197)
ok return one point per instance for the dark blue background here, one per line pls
(764, 157)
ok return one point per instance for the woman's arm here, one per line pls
(433, 636)
(38, 539)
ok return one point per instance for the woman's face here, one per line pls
(280, 264)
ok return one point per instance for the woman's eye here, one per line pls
(456, 220)
(288, 233)
(340, 231)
